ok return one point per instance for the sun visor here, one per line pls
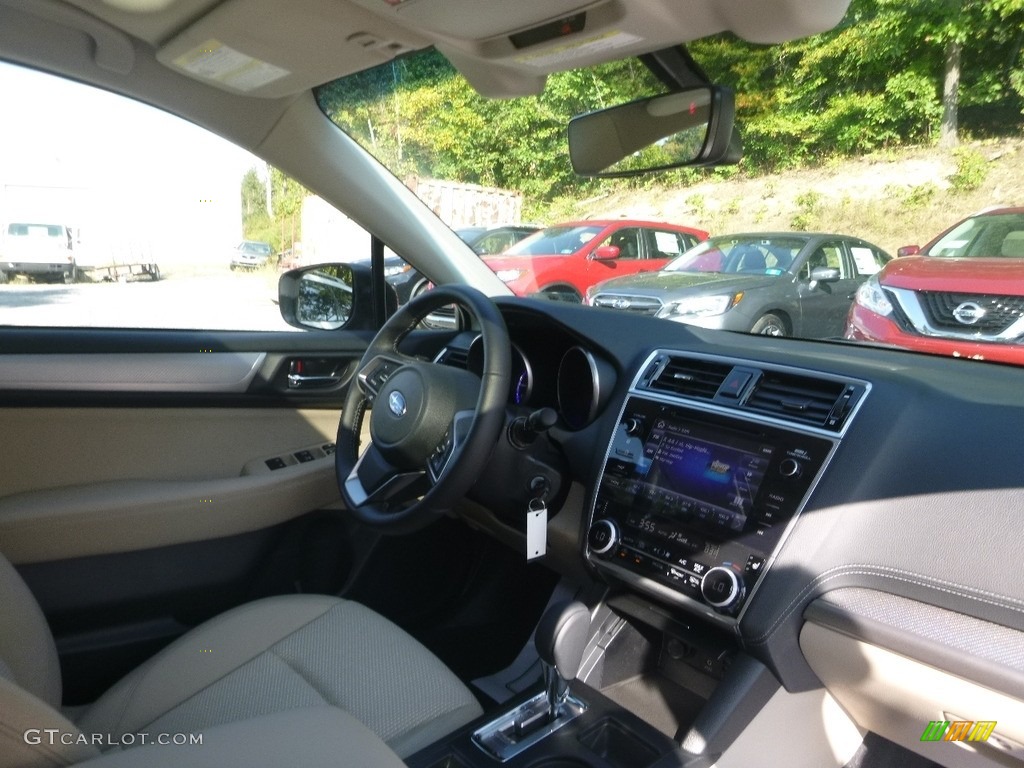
(270, 49)
(462, 19)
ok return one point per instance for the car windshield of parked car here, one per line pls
(997, 234)
(765, 256)
(554, 240)
(257, 249)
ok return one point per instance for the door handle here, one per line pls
(297, 380)
(311, 373)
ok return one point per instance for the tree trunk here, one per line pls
(948, 132)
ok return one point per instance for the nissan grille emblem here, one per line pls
(396, 402)
(969, 313)
(621, 303)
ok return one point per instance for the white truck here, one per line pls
(40, 251)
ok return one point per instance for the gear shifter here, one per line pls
(561, 638)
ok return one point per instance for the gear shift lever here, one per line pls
(561, 638)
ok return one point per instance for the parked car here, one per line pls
(563, 261)
(250, 254)
(410, 283)
(960, 295)
(772, 283)
(489, 241)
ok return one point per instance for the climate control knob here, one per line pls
(602, 536)
(722, 588)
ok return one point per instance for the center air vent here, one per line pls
(690, 377)
(809, 400)
(820, 401)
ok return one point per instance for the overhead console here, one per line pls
(709, 465)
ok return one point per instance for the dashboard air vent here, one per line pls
(819, 402)
(690, 377)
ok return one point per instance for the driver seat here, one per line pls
(304, 679)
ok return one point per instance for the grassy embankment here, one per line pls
(891, 199)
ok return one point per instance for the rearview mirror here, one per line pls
(908, 250)
(693, 127)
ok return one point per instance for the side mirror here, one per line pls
(327, 297)
(606, 253)
(824, 275)
(692, 127)
(908, 250)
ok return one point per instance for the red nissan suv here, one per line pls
(961, 295)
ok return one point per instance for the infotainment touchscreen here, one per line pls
(684, 460)
(687, 469)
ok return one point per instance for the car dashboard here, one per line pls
(838, 514)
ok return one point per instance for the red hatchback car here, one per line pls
(961, 295)
(562, 261)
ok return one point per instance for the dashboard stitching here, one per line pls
(874, 570)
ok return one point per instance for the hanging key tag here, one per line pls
(536, 529)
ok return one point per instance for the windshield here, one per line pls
(997, 234)
(555, 240)
(842, 167)
(760, 255)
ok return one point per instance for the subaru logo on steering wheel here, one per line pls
(396, 402)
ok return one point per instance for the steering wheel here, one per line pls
(432, 426)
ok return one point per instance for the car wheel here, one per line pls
(770, 325)
(71, 276)
(564, 293)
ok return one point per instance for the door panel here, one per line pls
(136, 498)
(92, 481)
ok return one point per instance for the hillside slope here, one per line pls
(891, 199)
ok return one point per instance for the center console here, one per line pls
(708, 466)
(695, 498)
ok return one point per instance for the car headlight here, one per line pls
(510, 275)
(701, 306)
(396, 270)
(871, 296)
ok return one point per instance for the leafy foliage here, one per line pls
(873, 82)
(281, 226)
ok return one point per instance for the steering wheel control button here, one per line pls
(721, 588)
(603, 537)
(379, 374)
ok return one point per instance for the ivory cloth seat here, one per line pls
(315, 678)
